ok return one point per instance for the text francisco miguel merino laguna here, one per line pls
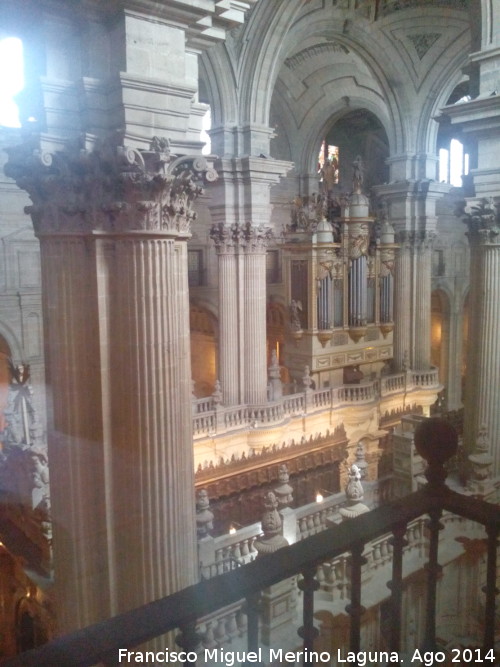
(232, 658)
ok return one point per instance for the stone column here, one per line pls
(483, 382)
(421, 358)
(240, 211)
(229, 321)
(113, 225)
(402, 302)
(254, 299)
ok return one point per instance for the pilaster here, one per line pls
(411, 207)
(241, 213)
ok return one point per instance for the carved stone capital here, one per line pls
(425, 241)
(110, 189)
(482, 219)
(242, 236)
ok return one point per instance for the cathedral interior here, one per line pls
(247, 247)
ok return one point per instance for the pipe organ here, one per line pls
(339, 264)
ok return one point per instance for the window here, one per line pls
(206, 125)
(453, 163)
(11, 80)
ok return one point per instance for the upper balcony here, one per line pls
(211, 418)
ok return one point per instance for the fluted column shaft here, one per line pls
(152, 500)
(255, 325)
(483, 385)
(229, 333)
(422, 316)
(242, 307)
(402, 304)
(116, 317)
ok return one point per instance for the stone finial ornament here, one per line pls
(354, 494)
(272, 540)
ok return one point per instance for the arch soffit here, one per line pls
(306, 161)
(372, 63)
(216, 69)
(259, 89)
(446, 79)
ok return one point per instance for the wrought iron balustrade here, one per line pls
(436, 442)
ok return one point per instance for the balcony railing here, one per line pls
(211, 418)
(436, 442)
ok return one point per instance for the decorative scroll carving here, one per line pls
(244, 236)
(386, 262)
(112, 188)
(359, 240)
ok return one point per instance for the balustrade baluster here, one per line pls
(208, 638)
(355, 609)
(307, 631)
(396, 585)
(490, 589)
(231, 627)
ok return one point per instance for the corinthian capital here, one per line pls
(243, 236)
(110, 189)
(482, 219)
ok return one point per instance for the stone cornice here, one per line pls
(111, 189)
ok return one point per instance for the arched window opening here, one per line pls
(453, 163)
(358, 132)
(11, 80)
(453, 152)
(206, 125)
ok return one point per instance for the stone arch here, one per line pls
(204, 336)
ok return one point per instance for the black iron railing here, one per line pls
(436, 442)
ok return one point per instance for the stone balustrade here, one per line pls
(428, 378)
(211, 418)
(392, 384)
